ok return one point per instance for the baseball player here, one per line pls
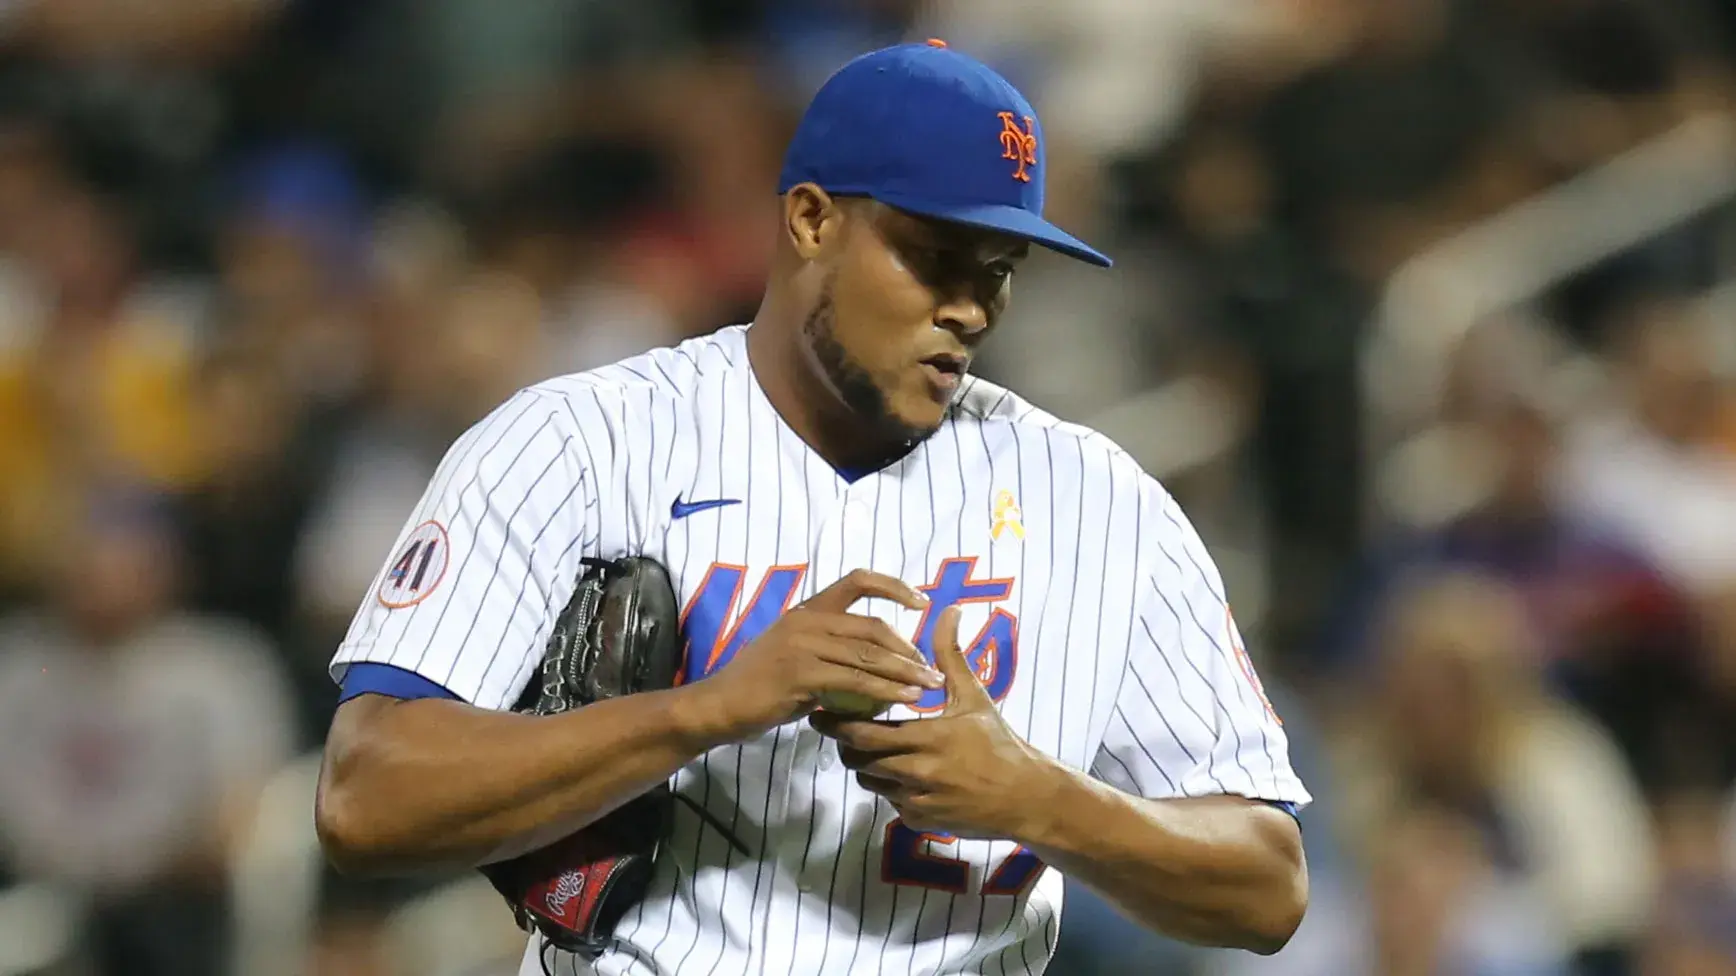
(849, 519)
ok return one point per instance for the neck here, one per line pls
(803, 400)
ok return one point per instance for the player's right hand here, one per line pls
(816, 648)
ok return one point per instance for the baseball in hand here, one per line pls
(851, 704)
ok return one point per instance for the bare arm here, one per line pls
(430, 783)
(434, 783)
(1218, 870)
(1221, 870)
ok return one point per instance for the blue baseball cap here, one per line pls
(930, 131)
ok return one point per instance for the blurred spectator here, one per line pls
(1696, 931)
(83, 32)
(389, 441)
(1609, 628)
(1440, 903)
(242, 522)
(1288, 309)
(201, 294)
(1366, 149)
(1459, 720)
(95, 364)
(1436, 902)
(134, 738)
(1706, 734)
(480, 341)
(1648, 470)
(690, 245)
(292, 269)
(497, 83)
(1113, 77)
(1595, 76)
(137, 90)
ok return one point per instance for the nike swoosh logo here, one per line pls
(681, 509)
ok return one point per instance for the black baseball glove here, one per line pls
(619, 635)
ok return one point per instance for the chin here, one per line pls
(902, 411)
(921, 420)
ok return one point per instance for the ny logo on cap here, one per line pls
(1018, 145)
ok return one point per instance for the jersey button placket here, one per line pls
(842, 543)
(792, 800)
(824, 786)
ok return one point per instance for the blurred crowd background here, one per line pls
(1425, 309)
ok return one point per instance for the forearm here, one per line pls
(1220, 871)
(428, 783)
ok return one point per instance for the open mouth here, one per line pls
(945, 374)
(948, 364)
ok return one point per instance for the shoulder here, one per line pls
(1095, 473)
(1002, 415)
(675, 372)
(598, 408)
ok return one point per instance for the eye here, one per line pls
(1001, 270)
(928, 263)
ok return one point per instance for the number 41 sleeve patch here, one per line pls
(1247, 664)
(418, 568)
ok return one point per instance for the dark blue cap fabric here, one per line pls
(925, 129)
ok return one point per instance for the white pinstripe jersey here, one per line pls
(1099, 622)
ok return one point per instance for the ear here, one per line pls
(813, 221)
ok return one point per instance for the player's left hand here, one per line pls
(963, 772)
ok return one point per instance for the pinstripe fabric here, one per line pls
(1126, 663)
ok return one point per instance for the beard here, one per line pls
(850, 380)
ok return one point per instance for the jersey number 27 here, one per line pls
(903, 861)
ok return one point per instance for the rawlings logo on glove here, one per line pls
(619, 635)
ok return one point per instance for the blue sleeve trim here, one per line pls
(1286, 806)
(368, 678)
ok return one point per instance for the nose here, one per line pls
(962, 315)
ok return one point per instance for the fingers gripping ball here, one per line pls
(852, 704)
